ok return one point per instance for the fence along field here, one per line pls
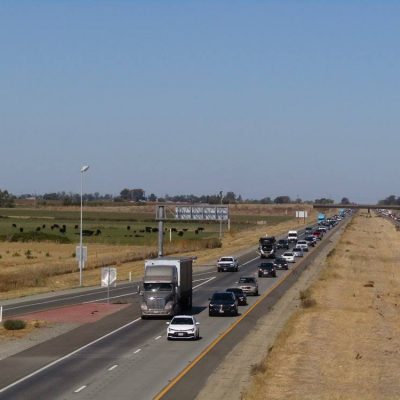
(36, 244)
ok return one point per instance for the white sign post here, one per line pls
(108, 278)
(302, 214)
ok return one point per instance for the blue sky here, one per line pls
(263, 98)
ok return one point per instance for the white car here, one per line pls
(289, 256)
(298, 252)
(303, 244)
(183, 327)
(228, 263)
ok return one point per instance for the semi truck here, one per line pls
(267, 247)
(167, 287)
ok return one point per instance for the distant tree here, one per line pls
(345, 201)
(230, 197)
(390, 201)
(323, 200)
(132, 194)
(266, 200)
(152, 197)
(6, 199)
(239, 199)
(282, 200)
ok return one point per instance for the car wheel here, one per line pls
(256, 294)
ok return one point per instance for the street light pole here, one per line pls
(220, 216)
(81, 261)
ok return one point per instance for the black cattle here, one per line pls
(14, 225)
(128, 227)
(154, 229)
(76, 226)
(87, 232)
(38, 229)
(21, 229)
(180, 233)
(98, 232)
(44, 226)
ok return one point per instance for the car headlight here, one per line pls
(168, 306)
(143, 306)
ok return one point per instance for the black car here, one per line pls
(308, 231)
(267, 269)
(223, 303)
(311, 240)
(281, 263)
(282, 244)
(240, 295)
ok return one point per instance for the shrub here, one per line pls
(14, 324)
(306, 300)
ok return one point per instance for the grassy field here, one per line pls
(32, 266)
(113, 227)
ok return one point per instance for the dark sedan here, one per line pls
(267, 269)
(282, 244)
(223, 303)
(281, 263)
(240, 295)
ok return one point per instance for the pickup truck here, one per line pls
(228, 263)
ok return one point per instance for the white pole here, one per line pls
(80, 237)
(1, 314)
(130, 276)
(220, 221)
(170, 235)
(81, 260)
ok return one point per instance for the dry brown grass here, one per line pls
(52, 266)
(348, 346)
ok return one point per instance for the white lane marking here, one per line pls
(106, 298)
(199, 280)
(201, 284)
(137, 351)
(113, 367)
(80, 389)
(158, 337)
(248, 262)
(55, 362)
(204, 273)
(59, 300)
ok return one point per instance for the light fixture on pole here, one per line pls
(81, 259)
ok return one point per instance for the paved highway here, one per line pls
(135, 361)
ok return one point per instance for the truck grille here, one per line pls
(156, 304)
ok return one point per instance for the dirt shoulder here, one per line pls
(347, 346)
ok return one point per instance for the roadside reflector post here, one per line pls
(1, 314)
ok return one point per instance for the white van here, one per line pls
(292, 236)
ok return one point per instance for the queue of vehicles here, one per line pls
(167, 284)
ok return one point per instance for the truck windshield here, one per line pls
(157, 287)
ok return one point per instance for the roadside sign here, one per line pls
(108, 277)
(301, 214)
(78, 253)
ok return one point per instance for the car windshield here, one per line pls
(182, 321)
(246, 280)
(282, 241)
(297, 249)
(267, 265)
(157, 287)
(288, 254)
(222, 296)
(280, 260)
(228, 259)
(235, 290)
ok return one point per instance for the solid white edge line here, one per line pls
(158, 337)
(59, 300)
(55, 362)
(113, 367)
(80, 389)
(137, 351)
(105, 298)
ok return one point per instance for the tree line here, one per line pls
(138, 195)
